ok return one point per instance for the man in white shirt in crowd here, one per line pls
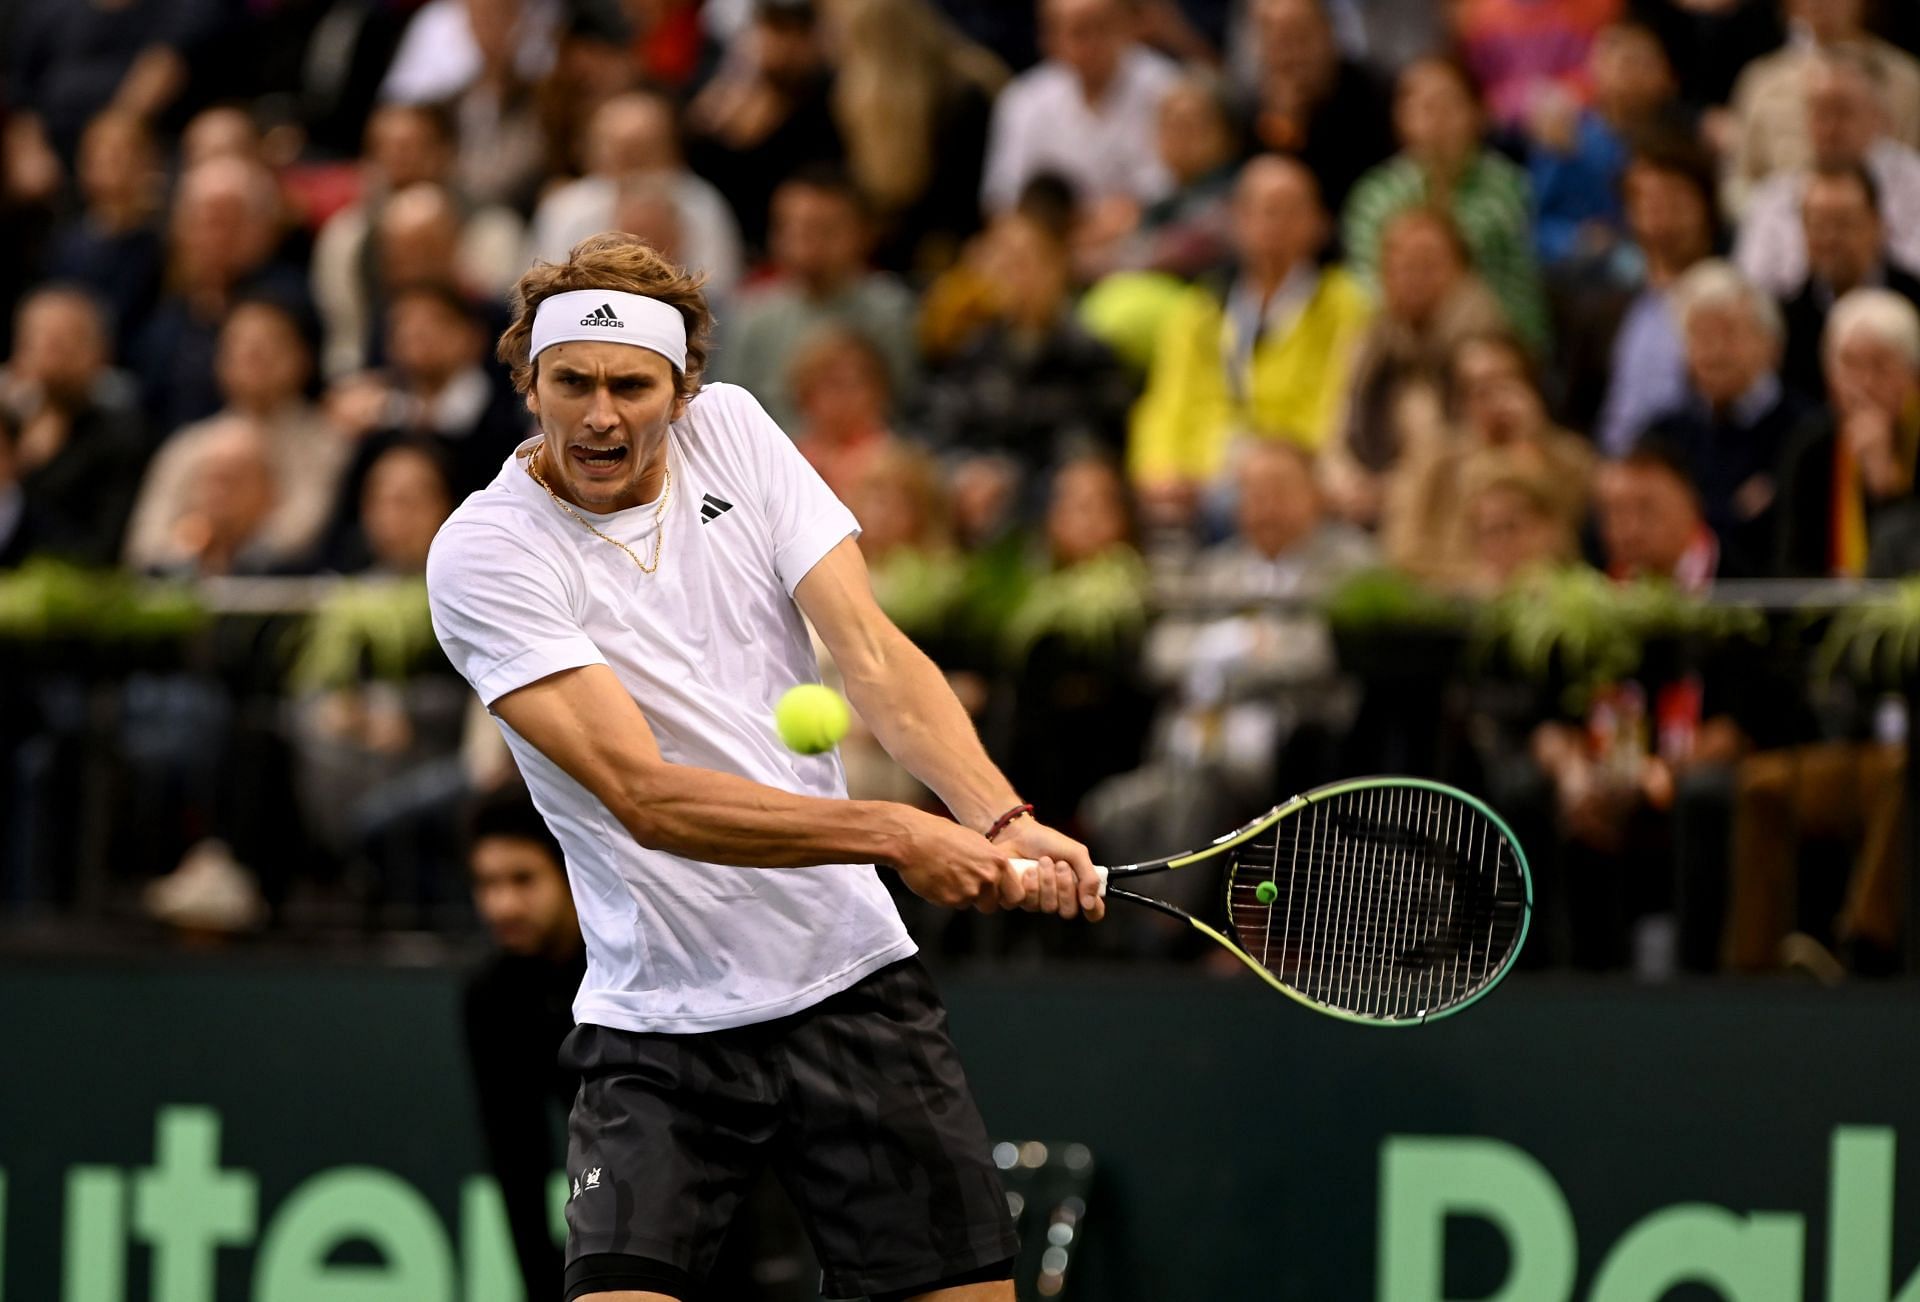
(1846, 122)
(627, 597)
(1087, 113)
(634, 135)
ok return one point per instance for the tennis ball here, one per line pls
(811, 718)
(1266, 892)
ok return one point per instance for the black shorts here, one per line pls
(858, 1104)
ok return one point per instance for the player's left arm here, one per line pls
(906, 703)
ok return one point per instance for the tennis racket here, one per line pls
(1387, 901)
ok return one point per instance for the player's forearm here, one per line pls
(722, 818)
(906, 703)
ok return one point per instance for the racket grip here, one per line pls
(1026, 867)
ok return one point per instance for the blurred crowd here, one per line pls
(1129, 329)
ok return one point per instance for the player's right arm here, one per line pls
(585, 722)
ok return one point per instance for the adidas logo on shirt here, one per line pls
(712, 508)
(603, 316)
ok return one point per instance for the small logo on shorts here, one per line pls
(592, 1178)
(603, 316)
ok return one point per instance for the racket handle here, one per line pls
(1026, 867)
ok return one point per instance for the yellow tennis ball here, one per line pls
(811, 718)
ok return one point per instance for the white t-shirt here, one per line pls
(706, 645)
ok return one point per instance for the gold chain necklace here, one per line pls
(666, 492)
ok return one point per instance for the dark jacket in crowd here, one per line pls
(1033, 400)
(79, 502)
(1734, 458)
(1346, 133)
(1806, 314)
(1805, 538)
(518, 1010)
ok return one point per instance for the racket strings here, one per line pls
(1391, 902)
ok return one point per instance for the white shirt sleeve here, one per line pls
(1006, 162)
(804, 519)
(500, 610)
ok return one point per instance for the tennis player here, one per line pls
(627, 598)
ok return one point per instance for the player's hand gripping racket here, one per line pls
(1389, 901)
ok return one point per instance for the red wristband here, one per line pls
(1000, 823)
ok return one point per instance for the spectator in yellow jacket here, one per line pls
(1267, 353)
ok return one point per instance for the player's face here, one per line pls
(521, 895)
(604, 409)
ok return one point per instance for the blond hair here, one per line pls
(899, 59)
(610, 260)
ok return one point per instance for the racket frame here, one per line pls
(1274, 817)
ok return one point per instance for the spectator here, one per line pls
(1312, 101)
(631, 136)
(1651, 522)
(71, 59)
(449, 45)
(1189, 231)
(1669, 200)
(1443, 162)
(435, 389)
(1268, 352)
(820, 240)
(1430, 302)
(1737, 416)
(906, 536)
(517, 1010)
(1846, 129)
(231, 494)
(593, 63)
(78, 443)
(1649, 762)
(838, 384)
(1528, 53)
(1071, 638)
(221, 242)
(1032, 383)
(112, 246)
(1243, 657)
(917, 573)
(913, 99)
(222, 131)
(1847, 791)
(1772, 102)
(1577, 157)
(1493, 401)
(407, 146)
(378, 762)
(1514, 523)
(1086, 113)
(406, 498)
(766, 114)
(1846, 250)
(1847, 465)
(648, 207)
(264, 364)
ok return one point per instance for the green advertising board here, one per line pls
(236, 1128)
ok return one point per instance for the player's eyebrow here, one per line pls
(563, 371)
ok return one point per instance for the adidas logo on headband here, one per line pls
(603, 316)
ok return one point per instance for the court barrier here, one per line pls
(258, 1129)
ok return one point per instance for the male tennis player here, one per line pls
(627, 598)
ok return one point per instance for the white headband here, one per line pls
(613, 317)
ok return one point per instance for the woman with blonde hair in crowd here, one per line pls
(1493, 405)
(913, 99)
(1430, 300)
